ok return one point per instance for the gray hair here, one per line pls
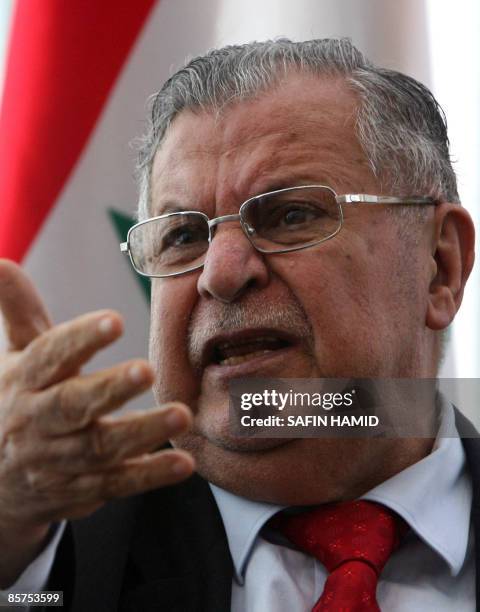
(399, 124)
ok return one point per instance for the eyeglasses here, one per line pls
(279, 221)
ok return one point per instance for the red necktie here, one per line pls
(353, 540)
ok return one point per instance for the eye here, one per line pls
(181, 236)
(184, 235)
(294, 214)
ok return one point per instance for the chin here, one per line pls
(223, 440)
(246, 467)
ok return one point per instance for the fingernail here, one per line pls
(174, 420)
(106, 325)
(137, 374)
(180, 467)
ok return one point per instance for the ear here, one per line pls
(452, 261)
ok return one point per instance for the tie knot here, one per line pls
(347, 531)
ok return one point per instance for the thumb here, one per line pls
(25, 316)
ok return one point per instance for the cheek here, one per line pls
(172, 304)
(329, 284)
(344, 292)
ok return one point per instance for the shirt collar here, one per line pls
(433, 496)
(243, 519)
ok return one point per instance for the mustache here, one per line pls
(215, 318)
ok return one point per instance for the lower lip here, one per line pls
(266, 362)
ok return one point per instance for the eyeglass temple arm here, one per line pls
(355, 198)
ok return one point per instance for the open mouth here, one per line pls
(241, 348)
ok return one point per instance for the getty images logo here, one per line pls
(276, 399)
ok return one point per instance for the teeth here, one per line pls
(259, 340)
(242, 358)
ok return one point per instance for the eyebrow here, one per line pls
(169, 207)
(275, 184)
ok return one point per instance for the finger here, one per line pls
(24, 314)
(110, 442)
(69, 513)
(134, 476)
(73, 404)
(83, 494)
(137, 475)
(62, 350)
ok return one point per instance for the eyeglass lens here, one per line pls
(292, 218)
(278, 221)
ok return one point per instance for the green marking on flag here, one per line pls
(122, 224)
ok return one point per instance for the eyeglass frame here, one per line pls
(350, 198)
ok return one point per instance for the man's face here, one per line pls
(352, 306)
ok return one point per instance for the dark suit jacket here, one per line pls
(167, 550)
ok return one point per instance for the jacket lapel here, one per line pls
(179, 558)
(101, 544)
(471, 444)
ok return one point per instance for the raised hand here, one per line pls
(62, 455)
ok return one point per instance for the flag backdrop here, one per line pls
(77, 76)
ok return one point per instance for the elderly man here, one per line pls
(303, 222)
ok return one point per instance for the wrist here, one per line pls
(20, 545)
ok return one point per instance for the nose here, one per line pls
(232, 266)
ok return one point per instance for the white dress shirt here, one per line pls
(434, 569)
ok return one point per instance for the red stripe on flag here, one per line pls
(64, 58)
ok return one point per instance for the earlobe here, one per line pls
(441, 308)
(452, 262)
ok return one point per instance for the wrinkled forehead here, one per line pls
(302, 124)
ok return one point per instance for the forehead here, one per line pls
(302, 129)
